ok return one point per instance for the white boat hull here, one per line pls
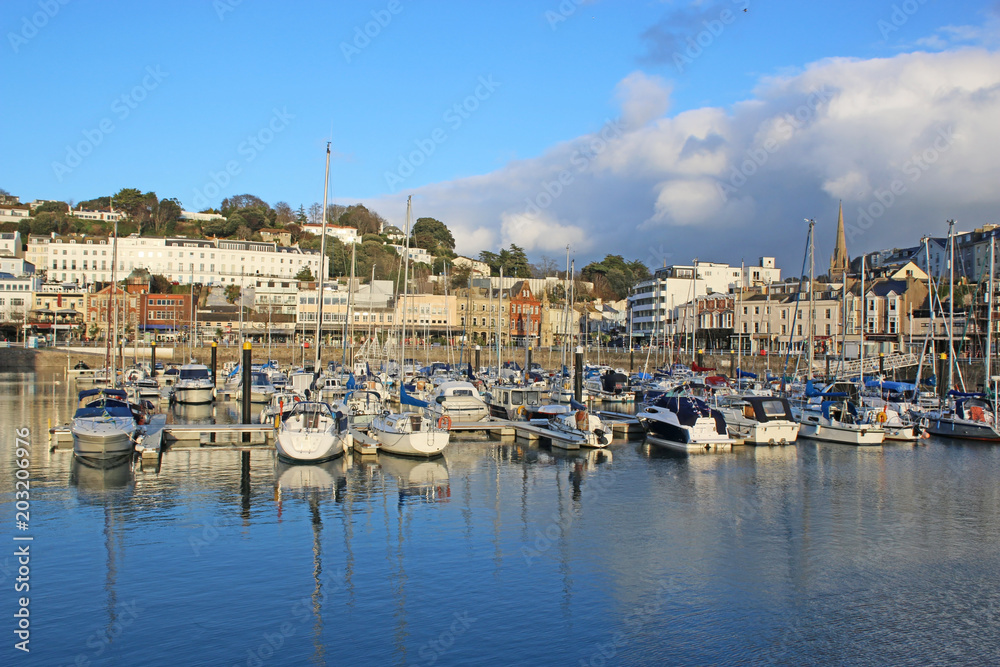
(193, 395)
(767, 433)
(700, 447)
(104, 438)
(845, 434)
(311, 447)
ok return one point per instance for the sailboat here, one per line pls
(311, 432)
(409, 433)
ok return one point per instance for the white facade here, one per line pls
(86, 214)
(417, 255)
(654, 302)
(344, 234)
(14, 213)
(17, 296)
(16, 266)
(275, 296)
(86, 260)
(203, 217)
(10, 244)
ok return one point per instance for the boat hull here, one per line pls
(193, 395)
(766, 433)
(962, 430)
(103, 439)
(311, 447)
(845, 435)
(419, 443)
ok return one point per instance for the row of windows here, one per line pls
(13, 302)
(16, 287)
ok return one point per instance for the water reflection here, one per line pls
(421, 480)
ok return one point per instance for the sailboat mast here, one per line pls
(951, 303)
(694, 310)
(112, 379)
(349, 321)
(988, 354)
(864, 316)
(406, 290)
(812, 296)
(500, 323)
(322, 257)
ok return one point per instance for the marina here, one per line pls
(510, 519)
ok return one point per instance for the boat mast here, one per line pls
(694, 311)
(951, 303)
(565, 322)
(322, 257)
(988, 355)
(349, 319)
(112, 378)
(736, 310)
(500, 323)
(812, 296)
(864, 322)
(406, 290)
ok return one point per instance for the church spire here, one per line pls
(839, 261)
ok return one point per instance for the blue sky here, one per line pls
(201, 78)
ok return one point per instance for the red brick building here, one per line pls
(165, 314)
(525, 314)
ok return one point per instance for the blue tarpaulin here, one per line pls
(406, 399)
(745, 374)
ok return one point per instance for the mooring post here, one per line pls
(246, 389)
(527, 368)
(245, 481)
(479, 349)
(578, 379)
(881, 363)
(152, 354)
(215, 351)
(942, 374)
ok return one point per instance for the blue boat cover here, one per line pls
(745, 374)
(115, 393)
(406, 399)
(351, 382)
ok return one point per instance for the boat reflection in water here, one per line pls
(93, 481)
(327, 479)
(193, 413)
(417, 479)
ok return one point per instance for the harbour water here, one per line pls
(504, 553)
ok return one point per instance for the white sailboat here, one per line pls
(312, 433)
(409, 433)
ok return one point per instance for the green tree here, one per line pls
(359, 217)
(159, 284)
(613, 277)
(52, 207)
(305, 274)
(232, 292)
(300, 216)
(230, 204)
(432, 235)
(136, 205)
(165, 214)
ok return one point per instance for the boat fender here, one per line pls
(581, 420)
(444, 422)
(520, 410)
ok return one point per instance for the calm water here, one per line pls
(503, 553)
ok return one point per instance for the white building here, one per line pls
(16, 296)
(653, 302)
(10, 244)
(344, 234)
(203, 217)
(87, 260)
(16, 266)
(14, 213)
(107, 216)
(417, 255)
(275, 296)
(476, 268)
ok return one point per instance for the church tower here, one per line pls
(839, 261)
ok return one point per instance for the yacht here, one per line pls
(194, 384)
(967, 417)
(409, 434)
(761, 420)
(685, 424)
(312, 433)
(838, 421)
(105, 424)
(459, 401)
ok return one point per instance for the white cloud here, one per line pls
(737, 182)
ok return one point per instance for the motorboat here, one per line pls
(838, 421)
(459, 400)
(610, 387)
(968, 416)
(512, 402)
(761, 420)
(409, 434)
(312, 433)
(104, 425)
(573, 420)
(261, 389)
(685, 424)
(194, 385)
